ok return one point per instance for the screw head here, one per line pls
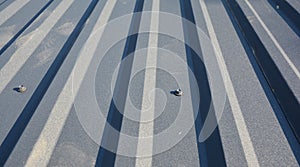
(178, 92)
(22, 88)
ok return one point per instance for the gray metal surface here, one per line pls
(295, 4)
(50, 131)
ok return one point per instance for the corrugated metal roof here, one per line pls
(99, 80)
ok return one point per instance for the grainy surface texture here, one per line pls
(101, 79)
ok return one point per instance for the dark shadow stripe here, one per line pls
(282, 92)
(107, 157)
(211, 151)
(3, 2)
(262, 80)
(19, 126)
(288, 14)
(15, 37)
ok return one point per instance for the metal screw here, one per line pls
(178, 92)
(22, 88)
